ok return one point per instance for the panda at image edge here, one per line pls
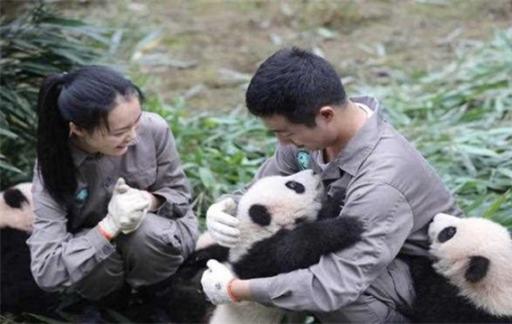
(19, 291)
(469, 279)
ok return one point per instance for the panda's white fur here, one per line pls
(18, 218)
(475, 237)
(286, 207)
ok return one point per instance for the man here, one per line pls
(387, 184)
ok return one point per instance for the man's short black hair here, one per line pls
(296, 84)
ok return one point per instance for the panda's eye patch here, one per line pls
(295, 186)
(259, 214)
(446, 234)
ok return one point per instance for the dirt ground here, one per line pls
(206, 51)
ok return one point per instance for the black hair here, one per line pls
(296, 84)
(84, 97)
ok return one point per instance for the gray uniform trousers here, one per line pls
(378, 303)
(366, 309)
(150, 254)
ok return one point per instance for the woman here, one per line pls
(112, 203)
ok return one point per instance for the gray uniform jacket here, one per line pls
(394, 191)
(66, 245)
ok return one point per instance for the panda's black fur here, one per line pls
(14, 198)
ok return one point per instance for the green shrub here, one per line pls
(37, 43)
(219, 153)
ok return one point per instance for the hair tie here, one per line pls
(61, 81)
(62, 77)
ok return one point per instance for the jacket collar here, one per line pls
(360, 146)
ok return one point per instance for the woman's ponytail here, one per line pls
(54, 159)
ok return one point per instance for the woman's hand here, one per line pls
(126, 210)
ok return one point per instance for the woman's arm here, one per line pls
(58, 258)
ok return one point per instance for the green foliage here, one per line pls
(460, 118)
(34, 45)
(219, 153)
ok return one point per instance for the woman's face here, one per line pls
(123, 121)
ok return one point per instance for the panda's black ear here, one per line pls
(477, 268)
(446, 234)
(296, 186)
(260, 215)
(14, 198)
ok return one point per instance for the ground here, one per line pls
(205, 51)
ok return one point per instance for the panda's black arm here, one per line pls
(198, 259)
(331, 207)
(299, 248)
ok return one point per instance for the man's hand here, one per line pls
(126, 210)
(216, 281)
(221, 223)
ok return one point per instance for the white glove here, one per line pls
(126, 210)
(221, 224)
(216, 281)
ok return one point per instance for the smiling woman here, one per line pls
(111, 201)
(113, 136)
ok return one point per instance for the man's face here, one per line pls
(311, 138)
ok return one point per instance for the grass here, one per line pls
(460, 118)
(220, 153)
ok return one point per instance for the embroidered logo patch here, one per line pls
(303, 159)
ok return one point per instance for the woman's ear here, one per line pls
(75, 130)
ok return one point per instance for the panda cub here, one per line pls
(285, 224)
(470, 277)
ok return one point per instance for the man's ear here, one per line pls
(326, 113)
(75, 130)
